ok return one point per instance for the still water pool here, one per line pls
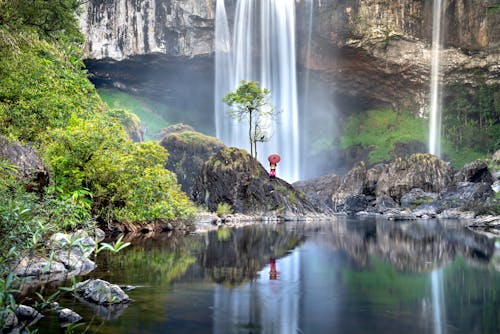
(342, 276)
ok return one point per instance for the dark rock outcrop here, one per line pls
(416, 197)
(30, 166)
(424, 171)
(232, 176)
(476, 171)
(320, 190)
(419, 186)
(188, 151)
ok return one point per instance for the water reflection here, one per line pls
(354, 276)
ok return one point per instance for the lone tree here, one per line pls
(252, 102)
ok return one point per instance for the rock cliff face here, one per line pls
(378, 50)
(121, 29)
(381, 49)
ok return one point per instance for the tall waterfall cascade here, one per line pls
(436, 87)
(260, 47)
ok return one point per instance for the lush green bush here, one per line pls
(127, 181)
(471, 118)
(41, 86)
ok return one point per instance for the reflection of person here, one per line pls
(273, 273)
(272, 172)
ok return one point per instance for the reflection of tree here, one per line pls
(238, 258)
(160, 260)
(382, 284)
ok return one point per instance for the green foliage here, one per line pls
(7, 302)
(127, 181)
(223, 209)
(41, 86)
(117, 246)
(493, 9)
(380, 130)
(471, 118)
(116, 99)
(128, 120)
(52, 20)
(252, 102)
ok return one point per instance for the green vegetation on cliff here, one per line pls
(470, 128)
(380, 130)
(152, 120)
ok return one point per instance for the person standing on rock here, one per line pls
(273, 162)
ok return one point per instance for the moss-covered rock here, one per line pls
(424, 171)
(232, 176)
(189, 150)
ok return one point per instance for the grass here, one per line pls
(381, 130)
(153, 122)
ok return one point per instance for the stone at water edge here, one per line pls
(68, 317)
(35, 266)
(424, 171)
(101, 292)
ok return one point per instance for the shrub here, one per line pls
(41, 86)
(127, 181)
(223, 209)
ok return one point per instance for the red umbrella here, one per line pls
(274, 158)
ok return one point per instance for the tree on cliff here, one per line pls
(252, 102)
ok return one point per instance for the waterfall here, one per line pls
(436, 96)
(262, 49)
(223, 65)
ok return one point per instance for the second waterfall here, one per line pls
(260, 46)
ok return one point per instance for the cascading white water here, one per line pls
(223, 64)
(263, 50)
(436, 100)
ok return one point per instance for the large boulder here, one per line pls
(319, 190)
(188, 151)
(30, 166)
(476, 171)
(233, 177)
(352, 185)
(424, 171)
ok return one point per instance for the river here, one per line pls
(349, 275)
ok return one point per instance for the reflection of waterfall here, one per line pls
(435, 121)
(438, 300)
(270, 28)
(271, 305)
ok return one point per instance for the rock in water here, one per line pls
(68, 317)
(319, 190)
(101, 292)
